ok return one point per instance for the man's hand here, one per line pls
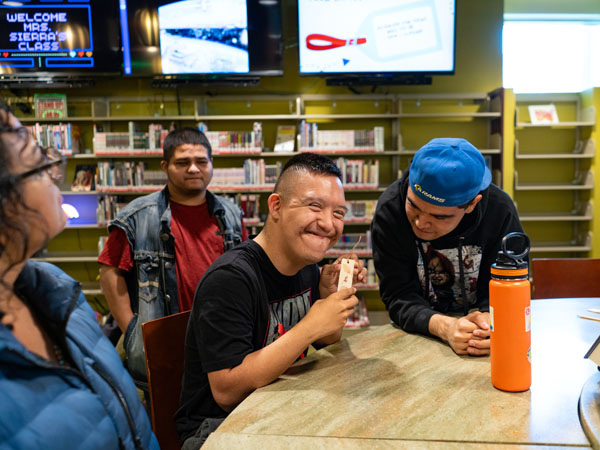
(330, 274)
(479, 344)
(329, 315)
(323, 322)
(466, 335)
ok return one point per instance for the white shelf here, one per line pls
(79, 192)
(574, 124)
(84, 227)
(123, 190)
(553, 156)
(582, 150)
(474, 115)
(91, 288)
(108, 119)
(366, 287)
(483, 151)
(585, 182)
(68, 257)
(554, 217)
(349, 222)
(581, 213)
(117, 155)
(559, 247)
(581, 244)
(263, 154)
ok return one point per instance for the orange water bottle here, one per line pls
(510, 316)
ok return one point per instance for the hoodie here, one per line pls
(417, 278)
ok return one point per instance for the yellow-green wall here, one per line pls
(478, 62)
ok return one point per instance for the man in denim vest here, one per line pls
(161, 244)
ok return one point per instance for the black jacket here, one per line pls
(407, 290)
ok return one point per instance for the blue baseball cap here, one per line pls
(448, 172)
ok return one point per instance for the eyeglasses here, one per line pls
(54, 165)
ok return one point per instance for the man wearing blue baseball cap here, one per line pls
(435, 234)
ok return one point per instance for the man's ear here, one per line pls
(163, 165)
(274, 203)
(473, 204)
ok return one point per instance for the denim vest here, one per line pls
(152, 285)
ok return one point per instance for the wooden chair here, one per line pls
(164, 341)
(565, 277)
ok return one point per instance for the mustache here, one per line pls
(320, 233)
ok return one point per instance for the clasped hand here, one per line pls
(469, 335)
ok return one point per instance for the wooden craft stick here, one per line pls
(347, 269)
(346, 273)
(597, 311)
(596, 319)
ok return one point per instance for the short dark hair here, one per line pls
(309, 162)
(182, 136)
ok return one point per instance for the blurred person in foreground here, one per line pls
(62, 384)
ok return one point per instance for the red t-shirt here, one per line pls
(197, 245)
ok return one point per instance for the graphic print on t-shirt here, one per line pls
(444, 275)
(287, 312)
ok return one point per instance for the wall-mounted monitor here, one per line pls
(376, 37)
(201, 37)
(80, 209)
(40, 37)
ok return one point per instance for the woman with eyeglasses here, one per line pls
(62, 384)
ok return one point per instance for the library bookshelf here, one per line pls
(390, 127)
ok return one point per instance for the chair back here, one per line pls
(164, 342)
(565, 277)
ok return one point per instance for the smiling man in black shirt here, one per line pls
(259, 306)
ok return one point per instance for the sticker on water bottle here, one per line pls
(529, 355)
(491, 318)
(527, 319)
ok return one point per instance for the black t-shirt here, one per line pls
(238, 308)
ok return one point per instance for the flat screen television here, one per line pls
(376, 37)
(40, 37)
(201, 37)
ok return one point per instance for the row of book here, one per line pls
(111, 175)
(228, 142)
(254, 172)
(359, 172)
(359, 242)
(360, 210)
(133, 141)
(63, 136)
(109, 207)
(225, 142)
(250, 206)
(314, 140)
(127, 175)
(66, 137)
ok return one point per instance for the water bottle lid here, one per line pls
(510, 260)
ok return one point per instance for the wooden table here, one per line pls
(384, 388)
